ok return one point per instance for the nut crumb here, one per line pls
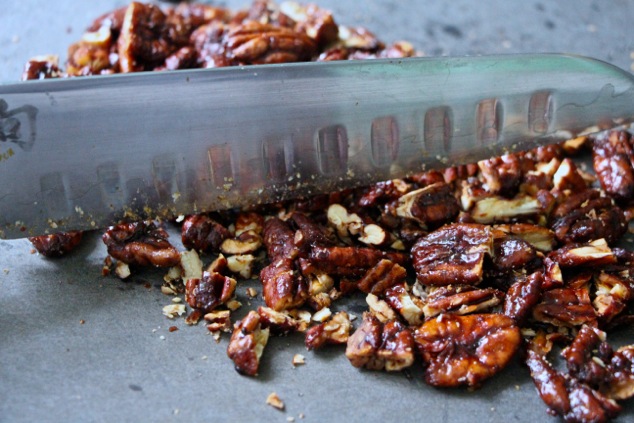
(274, 401)
(290, 419)
(252, 292)
(173, 328)
(322, 315)
(298, 359)
(171, 311)
(176, 300)
(233, 305)
(82, 321)
(301, 415)
(162, 337)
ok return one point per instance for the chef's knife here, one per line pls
(83, 153)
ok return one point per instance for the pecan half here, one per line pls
(466, 350)
(381, 277)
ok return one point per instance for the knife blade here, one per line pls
(84, 153)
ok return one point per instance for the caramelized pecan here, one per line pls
(613, 160)
(140, 243)
(203, 233)
(210, 291)
(247, 344)
(466, 350)
(56, 245)
(453, 254)
(333, 331)
(376, 346)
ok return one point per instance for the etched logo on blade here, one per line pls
(17, 129)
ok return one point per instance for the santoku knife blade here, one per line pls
(83, 153)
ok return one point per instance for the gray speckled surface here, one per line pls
(116, 367)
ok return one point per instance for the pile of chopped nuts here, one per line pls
(462, 269)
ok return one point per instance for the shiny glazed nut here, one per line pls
(466, 350)
(141, 244)
(347, 261)
(502, 175)
(453, 254)
(588, 216)
(283, 287)
(256, 43)
(522, 296)
(56, 245)
(565, 307)
(247, 344)
(566, 397)
(430, 206)
(278, 239)
(460, 299)
(595, 253)
(612, 295)
(202, 233)
(613, 160)
(207, 293)
(409, 306)
(377, 346)
(43, 67)
(381, 277)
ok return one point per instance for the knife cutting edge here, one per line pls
(84, 153)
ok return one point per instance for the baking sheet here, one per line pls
(122, 363)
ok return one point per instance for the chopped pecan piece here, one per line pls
(498, 209)
(408, 305)
(333, 331)
(283, 286)
(539, 237)
(567, 177)
(453, 254)
(219, 321)
(375, 345)
(522, 296)
(502, 175)
(348, 261)
(280, 322)
(595, 253)
(314, 21)
(143, 43)
(247, 344)
(513, 254)
(345, 223)
(466, 350)
(460, 299)
(613, 159)
(587, 357)
(565, 307)
(278, 239)
(203, 233)
(42, 67)
(140, 243)
(383, 192)
(207, 293)
(566, 397)
(588, 216)
(622, 374)
(309, 234)
(56, 245)
(381, 277)
(430, 206)
(612, 295)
